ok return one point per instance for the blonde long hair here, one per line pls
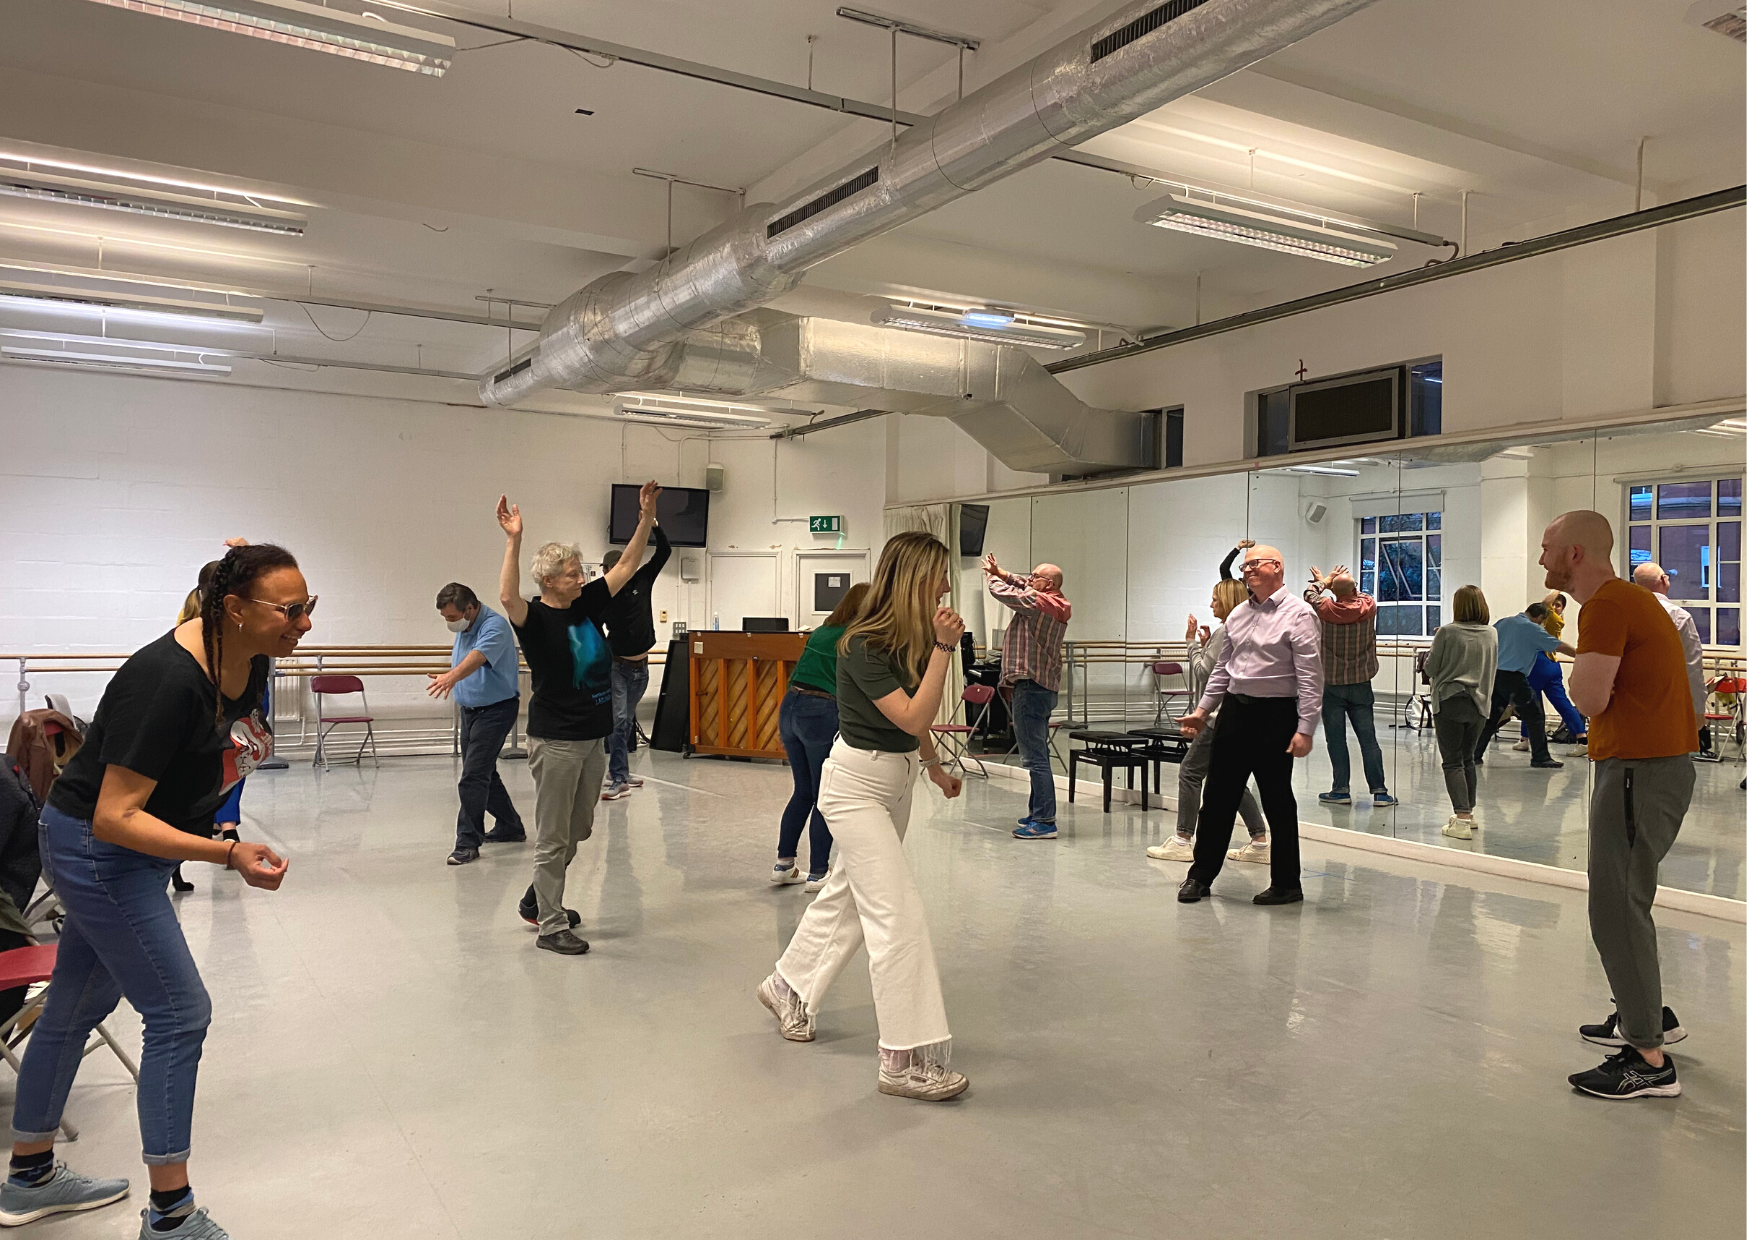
(896, 618)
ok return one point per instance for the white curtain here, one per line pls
(941, 520)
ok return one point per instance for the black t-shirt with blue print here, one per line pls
(571, 667)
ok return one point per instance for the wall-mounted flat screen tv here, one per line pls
(684, 514)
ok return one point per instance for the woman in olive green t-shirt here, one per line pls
(808, 723)
(892, 666)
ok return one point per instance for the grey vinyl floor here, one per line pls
(391, 1056)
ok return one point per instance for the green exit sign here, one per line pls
(825, 525)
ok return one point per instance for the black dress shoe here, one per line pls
(461, 856)
(1271, 895)
(530, 913)
(1190, 890)
(564, 943)
(497, 835)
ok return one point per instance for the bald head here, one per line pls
(1047, 576)
(1652, 577)
(1263, 570)
(1577, 551)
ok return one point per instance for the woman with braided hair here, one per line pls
(178, 726)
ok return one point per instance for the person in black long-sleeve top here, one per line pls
(1226, 564)
(630, 635)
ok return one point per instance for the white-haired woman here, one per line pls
(570, 711)
(892, 665)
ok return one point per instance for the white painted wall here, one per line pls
(1612, 328)
(114, 490)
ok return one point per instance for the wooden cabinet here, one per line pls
(737, 685)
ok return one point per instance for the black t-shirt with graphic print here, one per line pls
(571, 667)
(156, 719)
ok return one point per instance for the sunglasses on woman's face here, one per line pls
(293, 611)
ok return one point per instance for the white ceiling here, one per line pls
(432, 191)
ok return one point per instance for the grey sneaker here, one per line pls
(197, 1226)
(563, 942)
(922, 1079)
(62, 1193)
(793, 1021)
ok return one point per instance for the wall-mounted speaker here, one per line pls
(1315, 512)
(713, 478)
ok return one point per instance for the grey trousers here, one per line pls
(1635, 813)
(1190, 776)
(567, 787)
(1458, 725)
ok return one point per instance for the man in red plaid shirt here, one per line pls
(1031, 664)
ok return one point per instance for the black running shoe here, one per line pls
(1625, 1074)
(1608, 1033)
(497, 835)
(462, 856)
(530, 913)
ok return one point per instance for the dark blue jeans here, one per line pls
(1351, 702)
(630, 683)
(482, 791)
(1031, 710)
(121, 938)
(808, 725)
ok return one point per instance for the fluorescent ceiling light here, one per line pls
(1266, 227)
(110, 361)
(1325, 470)
(130, 301)
(312, 27)
(691, 411)
(1729, 428)
(120, 191)
(979, 323)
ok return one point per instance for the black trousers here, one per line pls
(1512, 689)
(483, 729)
(1251, 736)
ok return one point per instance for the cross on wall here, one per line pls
(1301, 371)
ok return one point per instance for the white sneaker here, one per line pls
(1521, 746)
(1459, 828)
(634, 782)
(1177, 848)
(922, 1079)
(786, 874)
(793, 1021)
(1253, 850)
(814, 884)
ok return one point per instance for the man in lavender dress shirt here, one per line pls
(1268, 688)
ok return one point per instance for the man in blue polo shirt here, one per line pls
(482, 675)
(1521, 638)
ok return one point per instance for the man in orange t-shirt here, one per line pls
(1631, 680)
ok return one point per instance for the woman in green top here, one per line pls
(808, 722)
(892, 665)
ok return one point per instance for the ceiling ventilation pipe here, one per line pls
(619, 333)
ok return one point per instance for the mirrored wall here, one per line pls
(1413, 525)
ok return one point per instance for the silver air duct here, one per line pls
(1001, 396)
(621, 332)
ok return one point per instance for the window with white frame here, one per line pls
(1693, 528)
(1401, 555)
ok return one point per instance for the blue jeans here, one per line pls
(808, 725)
(481, 788)
(121, 938)
(630, 683)
(1344, 702)
(1031, 711)
(1545, 679)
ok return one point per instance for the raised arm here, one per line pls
(1226, 564)
(915, 713)
(621, 572)
(510, 578)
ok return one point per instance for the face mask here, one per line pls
(456, 626)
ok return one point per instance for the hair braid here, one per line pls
(235, 574)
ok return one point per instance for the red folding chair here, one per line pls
(1160, 672)
(1726, 696)
(329, 686)
(955, 738)
(26, 966)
